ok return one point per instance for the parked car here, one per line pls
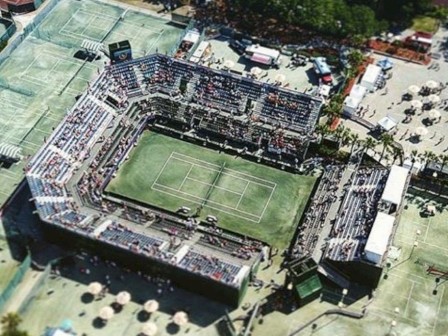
(237, 46)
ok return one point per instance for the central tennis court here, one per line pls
(246, 197)
(213, 186)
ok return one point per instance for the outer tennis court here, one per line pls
(246, 197)
(41, 78)
(214, 186)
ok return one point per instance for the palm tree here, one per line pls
(443, 159)
(369, 143)
(386, 140)
(428, 156)
(414, 156)
(10, 323)
(354, 140)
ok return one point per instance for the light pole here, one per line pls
(344, 294)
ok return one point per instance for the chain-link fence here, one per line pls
(6, 294)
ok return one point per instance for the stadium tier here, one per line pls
(68, 175)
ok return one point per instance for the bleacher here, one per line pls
(357, 214)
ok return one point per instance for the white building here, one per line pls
(370, 77)
(263, 55)
(378, 241)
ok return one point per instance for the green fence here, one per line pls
(15, 281)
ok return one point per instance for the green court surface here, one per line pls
(41, 78)
(249, 198)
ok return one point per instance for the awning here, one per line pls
(261, 59)
(387, 123)
(10, 151)
(327, 79)
(92, 46)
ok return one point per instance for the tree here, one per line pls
(369, 143)
(386, 140)
(355, 58)
(10, 323)
(354, 140)
(414, 156)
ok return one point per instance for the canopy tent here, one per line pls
(256, 71)
(417, 104)
(413, 89)
(192, 36)
(371, 77)
(259, 58)
(229, 64)
(395, 185)
(180, 318)
(431, 84)
(351, 105)
(324, 90)
(9, 152)
(151, 306)
(415, 167)
(358, 91)
(434, 99)
(387, 123)
(385, 64)
(149, 329)
(106, 313)
(421, 131)
(376, 246)
(123, 298)
(95, 288)
(434, 114)
(92, 46)
(280, 78)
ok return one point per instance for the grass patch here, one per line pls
(425, 24)
(249, 198)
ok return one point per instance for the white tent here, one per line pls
(395, 185)
(370, 77)
(387, 123)
(192, 36)
(379, 236)
(358, 91)
(416, 166)
(351, 105)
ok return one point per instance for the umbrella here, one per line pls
(256, 71)
(421, 131)
(416, 104)
(432, 84)
(123, 298)
(229, 64)
(95, 288)
(280, 78)
(414, 89)
(180, 318)
(151, 306)
(434, 114)
(106, 313)
(434, 98)
(386, 64)
(149, 329)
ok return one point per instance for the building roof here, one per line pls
(309, 286)
(379, 236)
(371, 74)
(395, 185)
(255, 48)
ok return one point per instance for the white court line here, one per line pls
(269, 201)
(438, 311)
(409, 297)
(185, 178)
(422, 242)
(203, 199)
(245, 188)
(161, 170)
(209, 206)
(228, 170)
(215, 186)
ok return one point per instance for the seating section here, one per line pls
(356, 214)
(317, 211)
(98, 133)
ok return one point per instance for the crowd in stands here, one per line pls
(97, 134)
(317, 211)
(356, 214)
